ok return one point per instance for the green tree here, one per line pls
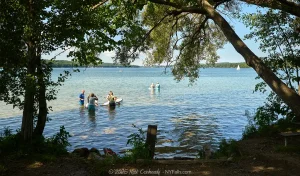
(281, 42)
(32, 28)
(196, 30)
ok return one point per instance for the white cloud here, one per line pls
(108, 54)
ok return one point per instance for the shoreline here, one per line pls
(259, 157)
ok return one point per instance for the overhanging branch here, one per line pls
(284, 5)
(99, 4)
(155, 26)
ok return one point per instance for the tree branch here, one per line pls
(148, 33)
(289, 3)
(168, 3)
(284, 5)
(99, 4)
(155, 26)
(220, 2)
(192, 9)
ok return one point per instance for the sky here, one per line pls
(227, 54)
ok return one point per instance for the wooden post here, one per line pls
(151, 139)
(285, 141)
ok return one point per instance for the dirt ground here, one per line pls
(260, 156)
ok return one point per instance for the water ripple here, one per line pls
(187, 116)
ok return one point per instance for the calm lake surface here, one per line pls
(187, 116)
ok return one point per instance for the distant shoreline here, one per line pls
(70, 64)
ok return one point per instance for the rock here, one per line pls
(230, 158)
(82, 152)
(109, 152)
(94, 150)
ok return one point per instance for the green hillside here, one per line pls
(226, 65)
(66, 63)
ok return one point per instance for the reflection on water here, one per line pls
(154, 93)
(81, 111)
(111, 112)
(92, 119)
(92, 115)
(187, 135)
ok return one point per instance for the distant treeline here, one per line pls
(226, 65)
(66, 63)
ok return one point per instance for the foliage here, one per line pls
(228, 148)
(35, 28)
(184, 33)
(259, 124)
(180, 39)
(6, 132)
(9, 143)
(138, 142)
(281, 42)
(251, 128)
(3, 169)
(12, 144)
(249, 131)
(58, 143)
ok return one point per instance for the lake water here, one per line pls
(187, 116)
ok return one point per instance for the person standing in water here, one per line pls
(111, 99)
(81, 98)
(157, 86)
(152, 86)
(92, 98)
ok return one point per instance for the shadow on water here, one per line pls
(189, 135)
(154, 93)
(92, 118)
(81, 111)
(92, 115)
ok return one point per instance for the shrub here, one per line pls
(228, 148)
(12, 144)
(58, 143)
(139, 147)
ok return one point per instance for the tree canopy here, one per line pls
(197, 29)
(32, 28)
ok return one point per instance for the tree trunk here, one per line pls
(27, 120)
(288, 95)
(42, 116)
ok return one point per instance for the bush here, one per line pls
(58, 143)
(9, 143)
(250, 131)
(139, 147)
(261, 124)
(12, 144)
(251, 128)
(227, 148)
